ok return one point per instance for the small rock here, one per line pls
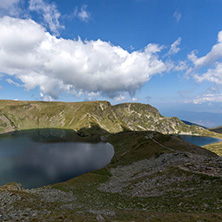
(99, 218)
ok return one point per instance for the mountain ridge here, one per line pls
(19, 115)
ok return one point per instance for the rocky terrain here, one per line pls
(20, 115)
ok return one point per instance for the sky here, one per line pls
(164, 53)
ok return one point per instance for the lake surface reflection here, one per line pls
(35, 164)
(200, 140)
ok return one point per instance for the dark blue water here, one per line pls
(199, 140)
(35, 164)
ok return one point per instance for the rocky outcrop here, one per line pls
(11, 187)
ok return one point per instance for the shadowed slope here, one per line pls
(217, 129)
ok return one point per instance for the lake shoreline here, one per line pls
(35, 163)
(200, 140)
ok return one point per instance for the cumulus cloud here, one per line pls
(211, 61)
(6, 4)
(38, 59)
(10, 7)
(212, 75)
(209, 58)
(219, 37)
(49, 12)
(82, 14)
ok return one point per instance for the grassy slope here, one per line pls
(217, 129)
(216, 147)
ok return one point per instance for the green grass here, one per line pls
(215, 147)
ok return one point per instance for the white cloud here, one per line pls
(207, 98)
(46, 97)
(177, 15)
(12, 82)
(82, 14)
(10, 7)
(219, 37)
(209, 58)
(211, 61)
(134, 99)
(208, 68)
(119, 98)
(49, 12)
(6, 4)
(192, 56)
(212, 75)
(181, 66)
(39, 59)
(92, 95)
(174, 49)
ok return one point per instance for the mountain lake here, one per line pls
(199, 140)
(34, 164)
(37, 162)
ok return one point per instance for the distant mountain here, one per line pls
(190, 124)
(19, 115)
(206, 119)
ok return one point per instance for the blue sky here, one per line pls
(165, 53)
